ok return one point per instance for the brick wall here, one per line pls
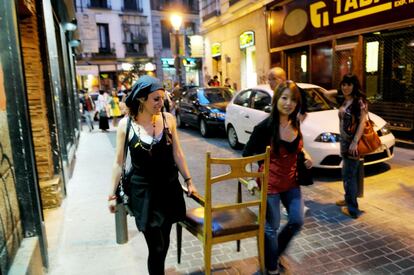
(33, 68)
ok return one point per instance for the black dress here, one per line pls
(156, 193)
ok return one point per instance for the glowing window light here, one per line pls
(371, 62)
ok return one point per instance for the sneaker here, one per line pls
(346, 212)
(340, 203)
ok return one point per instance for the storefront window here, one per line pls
(297, 66)
(394, 78)
(321, 60)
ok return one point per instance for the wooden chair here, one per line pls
(224, 222)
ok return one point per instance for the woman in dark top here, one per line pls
(156, 156)
(281, 131)
(352, 116)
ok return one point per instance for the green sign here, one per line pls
(246, 39)
(215, 49)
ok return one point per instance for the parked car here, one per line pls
(320, 128)
(204, 108)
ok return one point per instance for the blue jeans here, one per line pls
(350, 176)
(275, 244)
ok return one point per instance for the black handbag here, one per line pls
(304, 176)
(123, 190)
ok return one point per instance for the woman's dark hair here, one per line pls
(274, 121)
(133, 110)
(356, 90)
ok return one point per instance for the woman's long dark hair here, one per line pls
(356, 93)
(274, 121)
(133, 110)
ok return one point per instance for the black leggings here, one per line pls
(158, 241)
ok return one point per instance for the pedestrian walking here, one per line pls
(282, 132)
(103, 111)
(115, 111)
(88, 107)
(352, 116)
(156, 197)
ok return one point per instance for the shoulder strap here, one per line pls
(164, 121)
(126, 145)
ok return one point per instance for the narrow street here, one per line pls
(381, 241)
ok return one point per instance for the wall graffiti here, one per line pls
(10, 224)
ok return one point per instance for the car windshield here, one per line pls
(316, 101)
(208, 96)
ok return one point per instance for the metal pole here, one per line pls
(121, 225)
(177, 58)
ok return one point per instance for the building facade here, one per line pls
(236, 42)
(189, 64)
(320, 41)
(317, 42)
(116, 43)
(39, 125)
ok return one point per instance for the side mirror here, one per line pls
(267, 109)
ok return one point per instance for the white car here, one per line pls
(320, 128)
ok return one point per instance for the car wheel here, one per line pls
(232, 138)
(204, 131)
(180, 124)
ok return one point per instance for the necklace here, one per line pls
(141, 144)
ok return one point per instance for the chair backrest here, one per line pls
(237, 170)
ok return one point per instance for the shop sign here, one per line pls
(167, 62)
(107, 68)
(299, 21)
(190, 62)
(246, 39)
(87, 70)
(196, 46)
(215, 49)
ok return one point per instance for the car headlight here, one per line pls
(328, 137)
(385, 130)
(214, 113)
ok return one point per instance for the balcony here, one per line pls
(131, 7)
(133, 49)
(211, 15)
(99, 4)
(106, 53)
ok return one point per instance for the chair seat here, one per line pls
(224, 222)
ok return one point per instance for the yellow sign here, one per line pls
(215, 49)
(346, 10)
(246, 39)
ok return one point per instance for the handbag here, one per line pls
(304, 176)
(103, 113)
(123, 190)
(369, 141)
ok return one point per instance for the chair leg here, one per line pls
(260, 252)
(238, 245)
(179, 230)
(207, 258)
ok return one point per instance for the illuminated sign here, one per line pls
(167, 62)
(215, 49)
(300, 21)
(246, 39)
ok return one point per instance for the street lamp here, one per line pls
(176, 21)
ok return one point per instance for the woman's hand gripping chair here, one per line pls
(218, 223)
